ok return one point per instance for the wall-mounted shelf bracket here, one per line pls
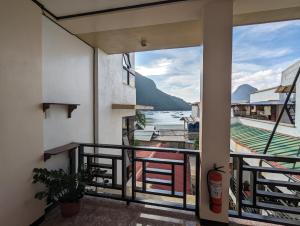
(70, 107)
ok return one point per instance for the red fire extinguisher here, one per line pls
(214, 183)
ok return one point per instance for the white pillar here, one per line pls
(215, 100)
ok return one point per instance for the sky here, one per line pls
(260, 53)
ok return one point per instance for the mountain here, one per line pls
(242, 93)
(148, 94)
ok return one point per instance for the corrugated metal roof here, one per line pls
(143, 135)
(256, 139)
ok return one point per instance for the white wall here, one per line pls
(112, 90)
(264, 95)
(21, 116)
(289, 74)
(67, 78)
(285, 118)
(196, 110)
(287, 78)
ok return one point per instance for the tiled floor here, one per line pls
(104, 212)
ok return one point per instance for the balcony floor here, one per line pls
(104, 212)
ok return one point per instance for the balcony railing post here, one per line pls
(254, 188)
(173, 179)
(114, 172)
(197, 184)
(144, 176)
(133, 180)
(184, 180)
(239, 196)
(89, 163)
(72, 158)
(80, 158)
(124, 174)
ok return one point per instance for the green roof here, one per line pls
(256, 139)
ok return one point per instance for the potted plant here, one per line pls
(66, 189)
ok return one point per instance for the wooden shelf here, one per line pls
(131, 107)
(59, 150)
(70, 107)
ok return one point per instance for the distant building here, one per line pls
(117, 109)
(251, 128)
(191, 124)
(265, 105)
(196, 110)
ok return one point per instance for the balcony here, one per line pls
(68, 53)
(111, 212)
(147, 185)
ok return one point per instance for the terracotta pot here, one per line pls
(69, 209)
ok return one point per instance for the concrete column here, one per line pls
(215, 100)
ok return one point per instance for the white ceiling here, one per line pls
(148, 16)
(164, 26)
(67, 7)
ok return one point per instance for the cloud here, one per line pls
(263, 32)
(247, 53)
(175, 71)
(247, 67)
(184, 86)
(260, 79)
(267, 28)
(157, 67)
(260, 54)
(259, 76)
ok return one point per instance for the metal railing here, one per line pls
(151, 177)
(274, 189)
(274, 194)
(129, 75)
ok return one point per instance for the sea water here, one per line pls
(166, 119)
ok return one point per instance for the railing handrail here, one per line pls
(275, 158)
(142, 148)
